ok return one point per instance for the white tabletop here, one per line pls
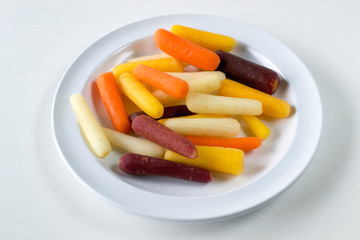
(41, 199)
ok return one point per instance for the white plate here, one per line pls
(268, 170)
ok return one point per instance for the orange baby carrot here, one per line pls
(186, 51)
(173, 86)
(243, 143)
(113, 103)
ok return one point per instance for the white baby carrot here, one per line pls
(95, 137)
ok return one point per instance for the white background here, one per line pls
(41, 199)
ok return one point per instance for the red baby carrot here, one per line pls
(169, 112)
(141, 165)
(243, 143)
(150, 129)
(113, 103)
(173, 86)
(186, 51)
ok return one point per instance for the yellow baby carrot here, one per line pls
(258, 128)
(137, 93)
(162, 64)
(272, 106)
(209, 40)
(217, 159)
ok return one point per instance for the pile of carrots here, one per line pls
(166, 143)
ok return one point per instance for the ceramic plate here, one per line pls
(268, 170)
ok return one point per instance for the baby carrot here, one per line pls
(258, 128)
(163, 64)
(171, 85)
(207, 127)
(132, 144)
(216, 159)
(186, 51)
(209, 40)
(272, 106)
(140, 165)
(207, 103)
(113, 102)
(243, 143)
(136, 92)
(92, 132)
(146, 127)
